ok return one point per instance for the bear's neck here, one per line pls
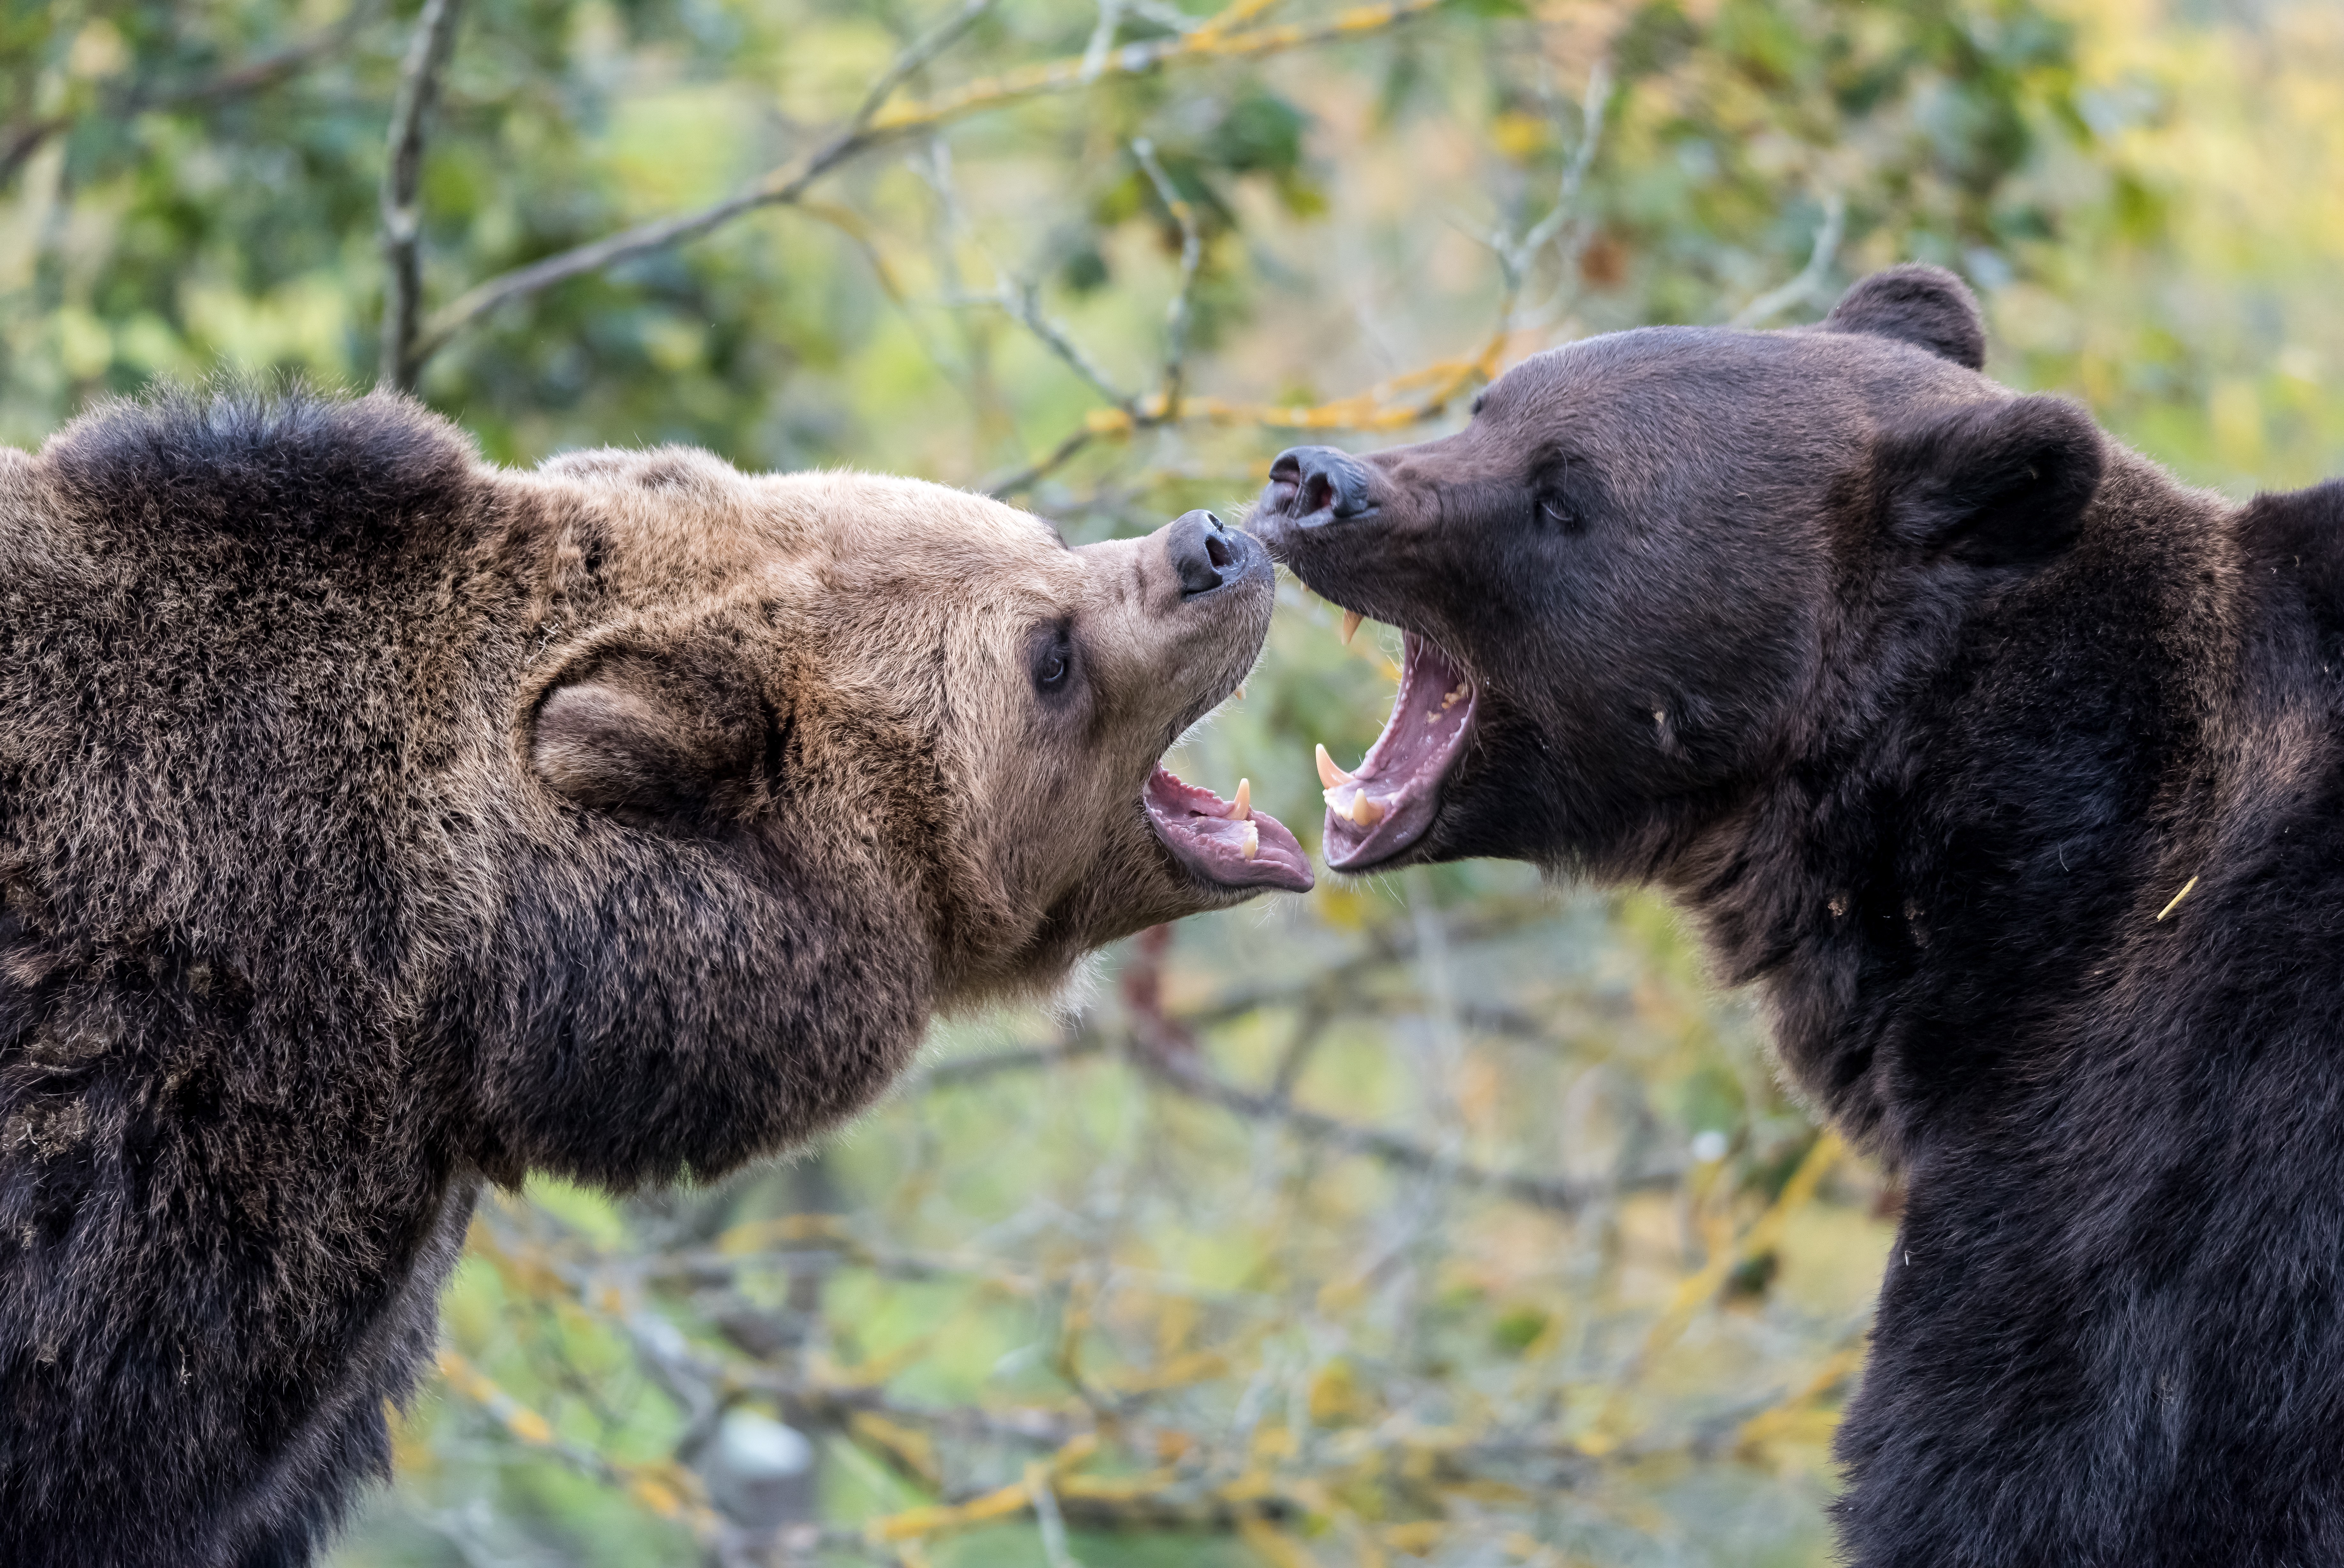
(1946, 899)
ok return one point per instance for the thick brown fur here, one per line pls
(1927, 701)
(375, 822)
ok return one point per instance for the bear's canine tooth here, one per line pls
(1365, 813)
(1351, 619)
(1329, 775)
(1252, 840)
(1241, 808)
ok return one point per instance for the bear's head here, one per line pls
(1658, 565)
(796, 759)
(901, 667)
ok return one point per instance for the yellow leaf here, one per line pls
(914, 1449)
(1335, 1395)
(529, 1426)
(1518, 135)
(656, 1496)
(1418, 1538)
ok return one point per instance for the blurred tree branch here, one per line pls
(1381, 408)
(873, 126)
(1023, 301)
(1550, 1193)
(1518, 253)
(667, 1490)
(1192, 251)
(419, 92)
(1774, 301)
(1162, 1048)
(859, 134)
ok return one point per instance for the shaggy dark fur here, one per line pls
(293, 952)
(1925, 699)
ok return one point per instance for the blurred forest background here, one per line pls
(1445, 1218)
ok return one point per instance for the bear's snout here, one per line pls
(1311, 487)
(1205, 554)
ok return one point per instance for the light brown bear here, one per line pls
(375, 822)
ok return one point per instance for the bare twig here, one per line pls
(1551, 1193)
(915, 55)
(1394, 405)
(1021, 301)
(1774, 301)
(871, 126)
(410, 115)
(1167, 17)
(669, 1491)
(1516, 254)
(1192, 251)
(779, 187)
(1052, 1523)
(19, 143)
(1110, 21)
(1163, 1048)
(1236, 13)
(1041, 468)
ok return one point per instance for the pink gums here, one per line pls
(1196, 826)
(1403, 770)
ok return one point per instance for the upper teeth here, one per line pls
(1351, 619)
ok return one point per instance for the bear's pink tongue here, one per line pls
(1232, 844)
(1375, 813)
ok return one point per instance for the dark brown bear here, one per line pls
(2014, 772)
(374, 822)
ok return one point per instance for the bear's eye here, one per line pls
(1555, 511)
(1054, 661)
(1565, 492)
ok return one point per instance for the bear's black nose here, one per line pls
(1323, 480)
(1202, 551)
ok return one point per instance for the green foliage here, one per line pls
(1286, 1342)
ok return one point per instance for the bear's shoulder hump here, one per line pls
(372, 470)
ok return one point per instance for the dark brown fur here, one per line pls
(1925, 699)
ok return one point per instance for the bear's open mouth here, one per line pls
(1227, 843)
(1375, 813)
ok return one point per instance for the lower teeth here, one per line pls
(1363, 810)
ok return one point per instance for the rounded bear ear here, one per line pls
(1925, 306)
(656, 736)
(2002, 483)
